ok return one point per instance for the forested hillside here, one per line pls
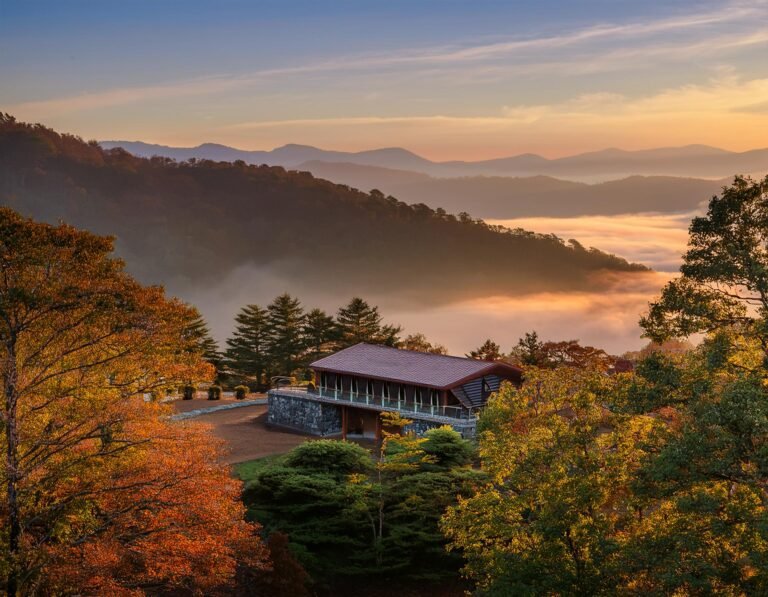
(200, 219)
(512, 197)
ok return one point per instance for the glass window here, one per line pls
(434, 398)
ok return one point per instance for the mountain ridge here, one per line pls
(695, 160)
(197, 224)
(511, 197)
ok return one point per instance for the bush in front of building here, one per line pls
(188, 392)
(214, 392)
(379, 516)
(447, 448)
(241, 392)
(330, 456)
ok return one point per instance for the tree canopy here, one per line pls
(103, 494)
(352, 516)
(724, 281)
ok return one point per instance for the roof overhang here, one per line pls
(508, 370)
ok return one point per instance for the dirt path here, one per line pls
(244, 429)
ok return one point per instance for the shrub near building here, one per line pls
(349, 515)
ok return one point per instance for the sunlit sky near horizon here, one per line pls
(448, 79)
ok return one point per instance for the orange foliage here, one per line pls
(175, 519)
(104, 494)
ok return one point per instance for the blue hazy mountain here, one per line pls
(700, 161)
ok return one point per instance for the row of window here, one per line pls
(386, 390)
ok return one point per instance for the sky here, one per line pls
(448, 79)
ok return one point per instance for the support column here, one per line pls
(343, 422)
(378, 427)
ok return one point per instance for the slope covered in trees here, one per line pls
(511, 197)
(199, 220)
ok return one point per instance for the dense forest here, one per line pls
(594, 482)
(198, 220)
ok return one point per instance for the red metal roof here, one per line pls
(411, 367)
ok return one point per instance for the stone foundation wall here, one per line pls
(467, 430)
(293, 412)
(323, 419)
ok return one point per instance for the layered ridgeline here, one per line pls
(699, 161)
(199, 220)
(503, 197)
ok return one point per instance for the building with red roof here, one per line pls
(354, 386)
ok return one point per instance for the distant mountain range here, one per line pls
(699, 161)
(198, 225)
(510, 197)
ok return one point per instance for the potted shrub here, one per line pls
(214, 392)
(241, 392)
(188, 392)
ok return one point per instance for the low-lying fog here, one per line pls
(607, 319)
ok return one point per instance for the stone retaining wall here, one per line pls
(324, 419)
(293, 412)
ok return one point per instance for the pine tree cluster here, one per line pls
(282, 338)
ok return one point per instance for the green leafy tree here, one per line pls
(707, 532)
(554, 517)
(488, 351)
(285, 342)
(724, 281)
(247, 355)
(360, 322)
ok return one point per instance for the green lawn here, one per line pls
(247, 471)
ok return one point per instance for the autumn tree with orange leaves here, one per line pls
(102, 493)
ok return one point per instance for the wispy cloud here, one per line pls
(711, 113)
(517, 54)
(720, 96)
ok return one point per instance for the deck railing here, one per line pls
(377, 400)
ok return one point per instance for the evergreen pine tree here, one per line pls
(530, 351)
(320, 334)
(361, 322)
(489, 351)
(247, 350)
(285, 324)
(196, 331)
